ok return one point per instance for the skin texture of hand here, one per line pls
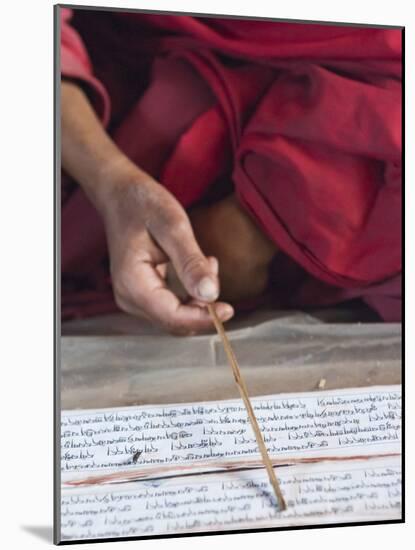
(147, 228)
(145, 225)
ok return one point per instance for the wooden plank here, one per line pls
(111, 371)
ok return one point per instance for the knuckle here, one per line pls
(167, 221)
(182, 227)
(191, 263)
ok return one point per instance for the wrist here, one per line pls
(113, 183)
(107, 177)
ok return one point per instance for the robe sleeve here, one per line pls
(76, 64)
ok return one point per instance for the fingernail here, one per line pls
(207, 289)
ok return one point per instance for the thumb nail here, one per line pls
(207, 289)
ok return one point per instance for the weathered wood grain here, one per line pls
(274, 357)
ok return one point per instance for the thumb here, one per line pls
(197, 273)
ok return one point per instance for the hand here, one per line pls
(146, 228)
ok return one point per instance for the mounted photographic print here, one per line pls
(229, 237)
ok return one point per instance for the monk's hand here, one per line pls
(146, 229)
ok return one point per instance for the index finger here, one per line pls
(155, 300)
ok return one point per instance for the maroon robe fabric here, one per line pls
(304, 120)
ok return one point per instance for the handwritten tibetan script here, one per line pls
(357, 422)
(325, 492)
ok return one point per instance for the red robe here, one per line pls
(305, 120)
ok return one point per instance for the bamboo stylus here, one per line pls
(245, 397)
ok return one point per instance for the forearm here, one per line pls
(88, 154)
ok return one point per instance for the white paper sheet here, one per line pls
(334, 423)
(325, 492)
